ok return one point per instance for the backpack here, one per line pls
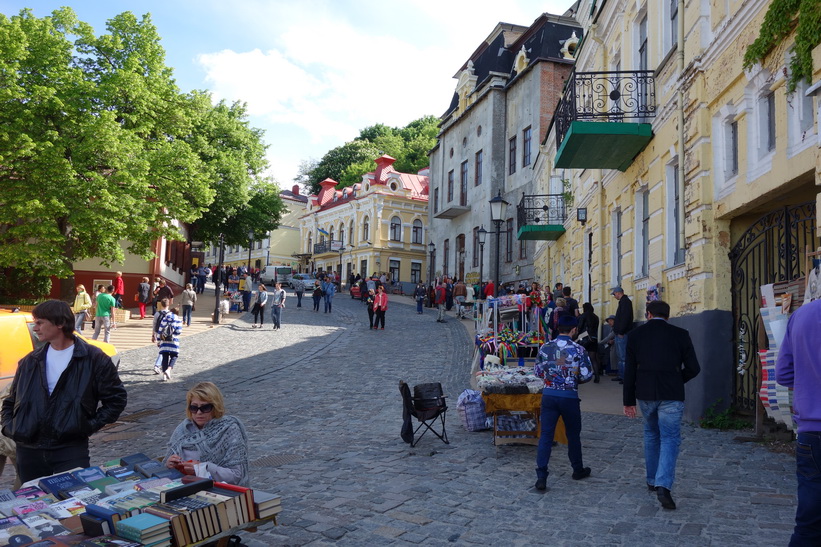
(167, 332)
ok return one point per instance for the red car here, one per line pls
(355, 292)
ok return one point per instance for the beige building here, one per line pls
(696, 179)
(378, 225)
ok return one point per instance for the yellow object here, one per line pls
(17, 339)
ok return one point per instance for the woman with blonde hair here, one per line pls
(209, 436)
(82, 303)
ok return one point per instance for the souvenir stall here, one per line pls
(508, 337)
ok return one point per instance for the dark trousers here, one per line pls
(370, 315)
(808, 472)
(168, 360)
(380, 319)
(316, 302)
(299, 299)
(570, 411)
(34, 462)
(259, 312)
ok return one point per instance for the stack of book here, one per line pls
(146, 528)
(266, 504)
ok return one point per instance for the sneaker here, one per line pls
(167, 374)
(582, 474)
(157, 370)
(541, 484)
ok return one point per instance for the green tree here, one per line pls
(334, 162)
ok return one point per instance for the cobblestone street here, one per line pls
(321, 403)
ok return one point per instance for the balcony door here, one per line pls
(460, 257)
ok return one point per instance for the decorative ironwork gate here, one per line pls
(771, 250)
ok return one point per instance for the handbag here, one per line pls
(136, 297)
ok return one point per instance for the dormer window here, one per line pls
(393, 186)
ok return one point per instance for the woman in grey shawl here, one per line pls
(209, 436)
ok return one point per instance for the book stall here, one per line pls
(508, 337)
(778, 302)
(131, 501)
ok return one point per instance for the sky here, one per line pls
(315, 72)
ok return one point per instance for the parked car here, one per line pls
(307, 279)
(17, 339)
(270, 274)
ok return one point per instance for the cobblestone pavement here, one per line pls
(321, 404)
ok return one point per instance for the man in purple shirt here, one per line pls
(799, 367)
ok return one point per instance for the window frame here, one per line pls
(395, 229)
(509, 240)
(450, 185)
(463, 184)
(417, 232)
(527, 136)
(477, 177)
(511, 161)
(366, 228)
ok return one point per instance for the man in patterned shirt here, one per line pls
(564, 365)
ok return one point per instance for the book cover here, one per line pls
(45, 526)
(263, 500)
(29, 492)
(48, 542)
(6, 495)
(100, 484)
(66, 508)
(13, 526)
(148, 484)
(132, 459)
(247, 498)
(185, 489)
(88, 495)
(149, 467)
(109, 540)
(172, 474)
(120, 487)
(7, 507)
(32, 507)
(176, 518)
(94, 526)
(55, 483)
(89, 474)
(224, 519)
(144, 525)
(224, 504)
(110, 515)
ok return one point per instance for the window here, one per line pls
(435, 200)
(511, 160)
(393, 268)
(445, 257)
(526, 137)
(673, 23)
(463, 184)
(396, 229)
(477, 176)
(769, 112)
(310, 244)
(259, 244)
(365, 235)
(416, 236)
(732, 153)
(331, 237)
(644, 218)
(342, 234)
(675, 249)
(350, 231)
(476, 247)
(450, 186)
(509, 241)
(522, 248)
(416, 272)
(617, 235)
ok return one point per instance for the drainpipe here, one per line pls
(602, 282)
(680, 55)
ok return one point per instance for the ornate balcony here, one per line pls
(603, 119)
(541, 217)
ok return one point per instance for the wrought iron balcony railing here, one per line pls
(542, 209)
(606, 97)
(320, 248)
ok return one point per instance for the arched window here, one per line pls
(396, 229)
(417, 231)
(365, 230)
(353, 234)
(342, 233)
(331, 237)
(310, 246)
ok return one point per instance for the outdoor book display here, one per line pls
(130, 501)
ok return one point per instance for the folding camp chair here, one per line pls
(428, 406)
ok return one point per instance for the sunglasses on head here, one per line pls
(205, 409)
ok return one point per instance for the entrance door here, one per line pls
(460, 254)
(771, 250)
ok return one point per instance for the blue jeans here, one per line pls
(79, 319)
(808, 472)
(186, 315)
(276, 316)
(621, 352)
(299, 298)
(662, 438)
(316, 302)
(419, 302)
(570, 411)
(329, 300)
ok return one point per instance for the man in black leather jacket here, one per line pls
(61, 394)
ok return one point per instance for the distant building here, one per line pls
(488, 144)
(377, 225)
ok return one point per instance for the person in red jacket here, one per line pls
(119, 289)
(490, 290)
(380, 306)
(441, 300)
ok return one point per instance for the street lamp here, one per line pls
(341, 250)
(498, 212)
(432, 251)
(482, 237)
(250, 245)
(216, 277)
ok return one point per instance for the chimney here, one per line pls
(295, 190)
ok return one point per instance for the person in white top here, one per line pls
(277, 304)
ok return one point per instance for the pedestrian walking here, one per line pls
(258, 308)
(299, 289)
(441, 299)
(168, 340)
(623, 325)
(119, 289)
(380, 306)
(369, 300)
(329, 289)
(144, 296)
(162, 309)
(660, 360)
(277, 305)
(317, 295)
(103, 314)
(82, 303)
(589, 337)
(799, 367)
(419, 295)
(202, 276)
(460, 292)
(564, 365)
(188, 301)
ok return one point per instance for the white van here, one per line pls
(272, 274)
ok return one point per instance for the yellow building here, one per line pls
(698, 178)
(376, 226)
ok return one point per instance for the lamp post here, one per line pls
(432, 251)
(250, 245)
(498, 211)
(341, 250)
(482, 237)
(217, 280)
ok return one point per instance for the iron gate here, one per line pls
(771, 250)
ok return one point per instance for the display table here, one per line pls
(222, 539)
(497, 404)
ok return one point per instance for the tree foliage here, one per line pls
(346, 164)
(98, 146)
(782, 17)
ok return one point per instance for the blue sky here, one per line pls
(315, 72)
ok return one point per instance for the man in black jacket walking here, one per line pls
(622, 325)
(61, 394)
(660, 360)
